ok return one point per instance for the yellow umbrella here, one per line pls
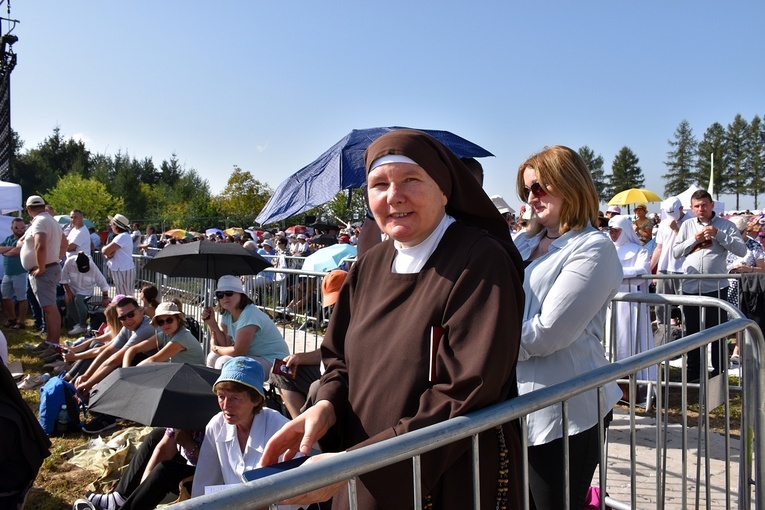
(178, 233)
(634, 196)
(234, 230)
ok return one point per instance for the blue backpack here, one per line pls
(54, 394)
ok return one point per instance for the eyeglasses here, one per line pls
(127, 316)
(227, 293)
(162, 322)
(535, 188)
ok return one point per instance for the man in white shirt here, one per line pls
(43, 246)
(663, 261)
(79, 276)
(78, 237)
(705, 241)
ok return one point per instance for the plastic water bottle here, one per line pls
(62, 422)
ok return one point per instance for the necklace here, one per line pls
(548, 237)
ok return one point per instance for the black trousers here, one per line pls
(546, 475)
(714, 316)
(162, 480)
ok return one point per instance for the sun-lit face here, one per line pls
(702, 209)
(169, 324)
(130, 316)
(406, 202)
(548, 207)
(237, 407)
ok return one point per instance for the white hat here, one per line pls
(501, 205)
(614, 209)
(121, 221)
(230, 282)
(34, 200)
(671, 205)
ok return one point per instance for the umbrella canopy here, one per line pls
(329, 258)
(342, 167)
(297, 229)
(174, 395)
(234, 230)
(63, 219)
(324, 240)
(634, 196)
(206, 260)
(179, 233)
(213, 231)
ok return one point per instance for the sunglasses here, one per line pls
(227, 293)
(127, 316)
(162, 322)
(535, 188)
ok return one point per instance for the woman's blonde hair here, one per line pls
(112, 320)
(563, 173)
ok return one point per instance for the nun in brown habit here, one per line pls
(448, 268)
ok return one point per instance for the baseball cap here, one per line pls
(35, 200)
(501, 205)
(330, 286)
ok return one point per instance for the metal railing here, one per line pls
(751, 468)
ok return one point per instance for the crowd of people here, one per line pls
(454, 304)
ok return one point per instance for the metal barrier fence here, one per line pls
(725, 494)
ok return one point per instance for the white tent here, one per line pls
(10, 197)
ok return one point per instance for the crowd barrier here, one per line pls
(668, 481)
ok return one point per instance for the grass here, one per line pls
(58, 483)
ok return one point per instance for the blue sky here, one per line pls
(268, 86)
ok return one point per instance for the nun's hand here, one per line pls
(318, 495)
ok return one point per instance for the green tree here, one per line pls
(171, 171)
(734, 157)
(88, 195)
(243, 195)
(755, 160)
(711, 149)
(625, 172)
(595, 164)
(127, 185)
(347, 206)
(680, 160)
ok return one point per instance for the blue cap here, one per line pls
(245, 371)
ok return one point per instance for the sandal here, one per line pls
(19, 325)
(9, 323)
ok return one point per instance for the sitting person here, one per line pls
(173, 342)
(165, 458)
(235, 437)
(149, 295)
(83, 353)
(244, 330)
(296, 390)
(78, 277)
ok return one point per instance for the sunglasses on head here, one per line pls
(535, 188)
(227, 293)
(162, 322)
(127, 316)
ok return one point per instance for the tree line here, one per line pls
(736, 151)
(69, 176)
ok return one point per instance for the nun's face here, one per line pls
(406, 202)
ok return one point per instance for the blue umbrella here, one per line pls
(342, 167)
(329, 258)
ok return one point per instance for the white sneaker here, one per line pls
(78, 330)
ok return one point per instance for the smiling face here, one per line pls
(406, 202)
(237, 406)
(130, 316)
(548, 207)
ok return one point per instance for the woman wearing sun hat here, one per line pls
(173, 341)
(244, 330)
(235, 437)
(119, 255)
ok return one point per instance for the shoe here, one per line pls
(31, 382)
(77, 330)
(19, 326)
(109, 501)
(99, 424)
(35, 347)
(66, 366)
(9, 323)
(83, 504)
(51, 358)
(54, 364)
